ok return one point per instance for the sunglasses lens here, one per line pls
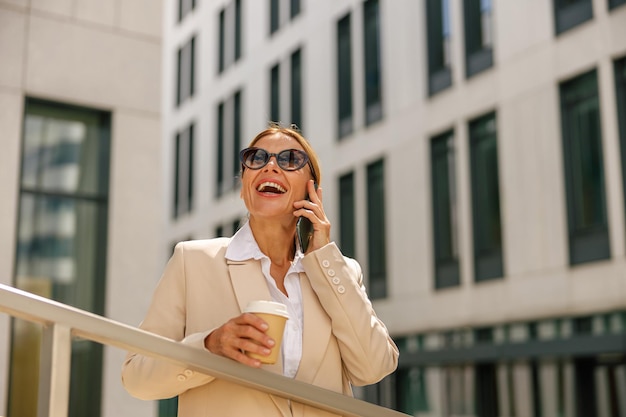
(291, 159)
(254, 158)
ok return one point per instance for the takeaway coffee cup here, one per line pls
(275, 315)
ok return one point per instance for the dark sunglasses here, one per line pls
(287, 160)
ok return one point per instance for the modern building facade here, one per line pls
(80, 178)
(473, 156)
(474, 162)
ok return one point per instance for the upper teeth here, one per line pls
(267, 184)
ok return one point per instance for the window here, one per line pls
(347, 212)
(412, 393)
(183, 172)
(168, 408)
(478, 36)
(296, 88)
(186, 71)
(229, 121)
(439, 53)
(185, 7)
(344, 77)
(275, 93)
(620, 86)
(61, 247)
(571, 13)
(376, 241)
(229, 24)
(294, 10)
(486, 394)
(444, 206)
(614, 3)
(274, 15)
(371, 53)
(487, 227)
(584, 172)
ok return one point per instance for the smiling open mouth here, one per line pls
(270, 187)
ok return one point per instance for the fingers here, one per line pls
(245, 333)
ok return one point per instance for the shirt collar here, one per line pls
(243, 247)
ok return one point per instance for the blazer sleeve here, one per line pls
(367, 351)
(148, 378)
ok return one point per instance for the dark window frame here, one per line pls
(439, 74)
(443, 198)
(372, 64)
(478, 55)
(619, 68)
(347, 214)
(91, 199)
(376, 230)
(296, 88)
(345, 123)
(568, 14)
(275, 93)
(485, 189)
(585, 188)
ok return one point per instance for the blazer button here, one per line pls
(181, 377)
(331, 272)
(325, 263)
(336, 280)
(341, 289)
(188, 372)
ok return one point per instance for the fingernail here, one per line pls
(264, 326)
(271, 342)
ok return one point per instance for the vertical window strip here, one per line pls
(236, 132)
(237, 29)
(377, 258)
(584, 170)
(478, 36)
(274, 15)
(190, 168)
(438, 40)
(372, 64)
(177, 178)
(221, 59)
(444, 206)
(620, 87)
(571, 13)
(344, 77)
(296, 88)
(220, 150)
(275, 93)
(295, 8)
(487, 228)
(347, 212)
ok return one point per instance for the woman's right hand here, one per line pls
(244, 333)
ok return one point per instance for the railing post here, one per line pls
(54, 371)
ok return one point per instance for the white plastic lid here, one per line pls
(267, 307)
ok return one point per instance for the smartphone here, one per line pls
(304, 230)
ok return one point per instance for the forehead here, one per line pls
(278, 142)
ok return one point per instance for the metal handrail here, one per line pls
(62, 322)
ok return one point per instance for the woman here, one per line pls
(333, 338)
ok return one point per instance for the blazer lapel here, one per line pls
(316, 334)
(249, 284)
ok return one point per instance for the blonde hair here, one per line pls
(294, 133)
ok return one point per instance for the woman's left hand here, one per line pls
(313, 210)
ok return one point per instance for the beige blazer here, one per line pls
(344, 343)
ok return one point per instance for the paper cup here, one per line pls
(275, 315)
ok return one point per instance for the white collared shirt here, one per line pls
(243, 247)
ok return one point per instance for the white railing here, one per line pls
(61, 323)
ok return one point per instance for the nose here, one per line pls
(273, 161)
